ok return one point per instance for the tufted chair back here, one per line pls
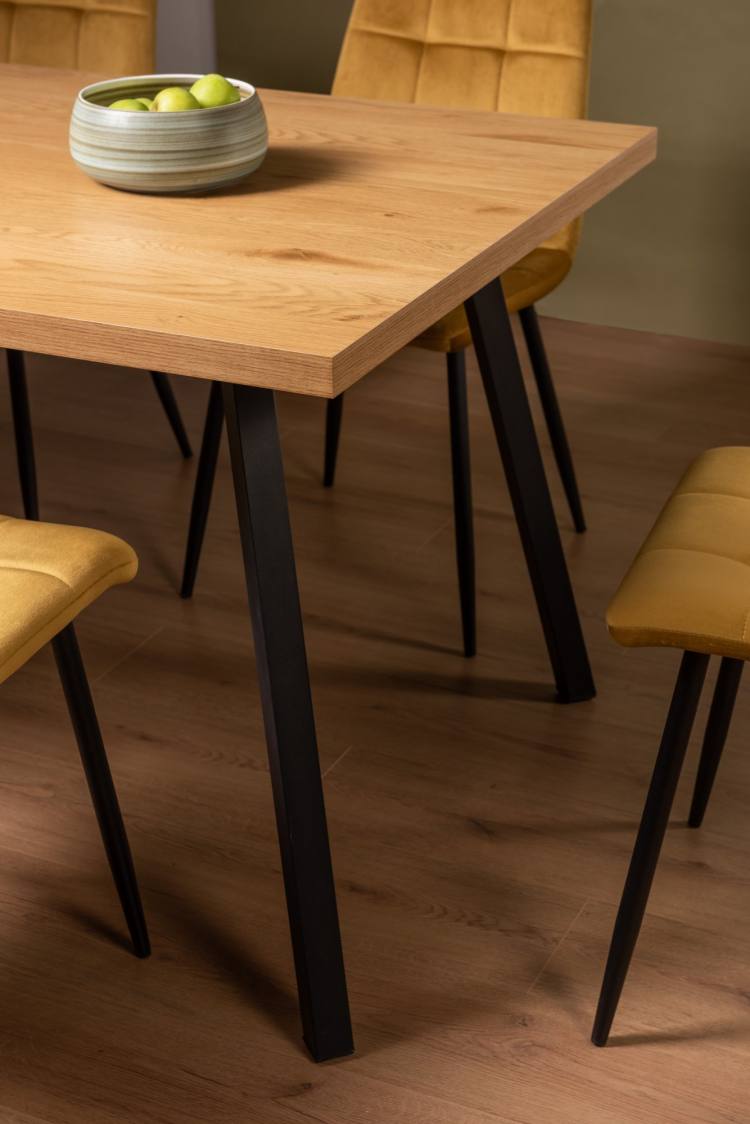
(515, 56)
(112, 36)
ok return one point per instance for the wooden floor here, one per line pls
(480, 830)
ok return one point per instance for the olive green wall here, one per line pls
(669, 252)
(289, 44)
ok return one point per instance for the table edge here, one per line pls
(388, 337)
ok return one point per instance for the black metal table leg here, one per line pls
(717, 728)
(650, 837)
(514, 429)
(463, 513)
(288, 714)
(101, 786)
(204, 483)
(163, 388)
(548, 396)
(334, 411)
(19, 400)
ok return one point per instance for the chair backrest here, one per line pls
(514, 56)
(114, 37)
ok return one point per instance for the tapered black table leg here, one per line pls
(334, 410)
(19, 400)
(101, 786)
(514, 428)
(552, 415)
(288, 714)
(204, 483)
(717, 728)
(164, 389)
(650, 837)
(462, 506)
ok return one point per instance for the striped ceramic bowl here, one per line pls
(192, 150)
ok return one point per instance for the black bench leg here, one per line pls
(462, 505)
(717, 728)
(514, 428)
(271, 580)
(163, 388)
(19, 400)
(204, 483)
(101, 786)
(650, 837)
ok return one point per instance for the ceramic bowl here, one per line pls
(189, 151)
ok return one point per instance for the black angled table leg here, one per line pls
(462, 505)
(204, 483)
(288, 714)
(717, 728)
(334, 410)
(163, 388)
(514, 429)
(24, 436)
(101, 786)
(552, 415)
(650, 837)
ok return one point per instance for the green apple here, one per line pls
(173, 100)
(212, 90)
(146, 102)
(132, 104)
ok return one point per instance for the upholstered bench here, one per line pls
(48, 574)
(688, 588)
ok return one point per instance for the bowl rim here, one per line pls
(174, 80)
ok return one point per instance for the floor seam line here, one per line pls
(555, 950)
(341, 757)
(432, 536)
(121, 661)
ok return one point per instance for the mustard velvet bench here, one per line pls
(688, 588)
(48, 574)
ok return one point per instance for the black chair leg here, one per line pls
(163, 388)
(334, 410)
(462, 505)
(19, 399)
(650, 837)
(204, 483)
(551, 407)
(717, 728)
(102, 789)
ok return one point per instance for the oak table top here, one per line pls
(367, 222)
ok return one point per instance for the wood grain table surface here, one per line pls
(357, 234)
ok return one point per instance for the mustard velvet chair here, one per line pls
(512, 56)
(689, 589)
(48, 575)
(112, 37)
(517, 56)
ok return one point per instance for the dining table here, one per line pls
(367, 222)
